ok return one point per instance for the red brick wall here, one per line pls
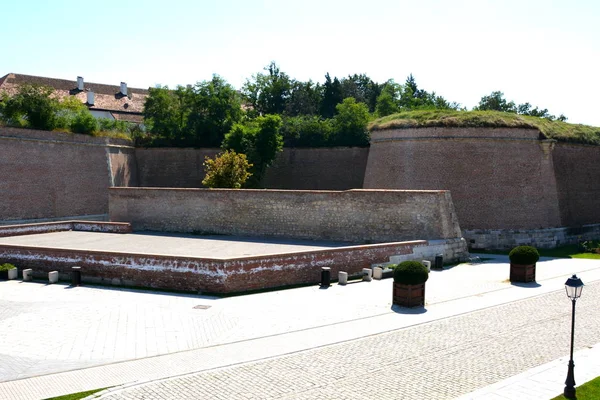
(298, 168)
(53, 175)
(338, 168)
(498, 178)
(577, 168)
(199, 274)
(172, 167)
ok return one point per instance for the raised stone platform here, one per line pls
(213, 264)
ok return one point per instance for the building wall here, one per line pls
(46, 175)
(499, 178)
(577, 168)
(337, 168)
(353, 215)
(294, 168)
(172, 167)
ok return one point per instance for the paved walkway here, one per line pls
(313, 343)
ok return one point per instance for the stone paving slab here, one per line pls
(218, 247)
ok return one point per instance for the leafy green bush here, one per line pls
(524, 255)
(227, 170)
(411, 273)
(84, 122)
(6, 267)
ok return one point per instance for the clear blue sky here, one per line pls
(544, 52)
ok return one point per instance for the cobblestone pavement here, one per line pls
(438, 360)
(53, 328)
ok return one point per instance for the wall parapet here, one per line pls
(47, 227)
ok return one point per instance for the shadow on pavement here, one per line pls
(526, 285)
(404, 310)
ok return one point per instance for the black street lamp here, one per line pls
(574, 286)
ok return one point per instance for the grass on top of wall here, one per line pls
(587, 391)
(558, 130)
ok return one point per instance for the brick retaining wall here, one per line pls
(357, 216)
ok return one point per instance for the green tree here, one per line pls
(350, 124)
(227, 170)
(260, 139)
(305, 99)
(197, 116)
(215, 107)
(362, 88)
(332, 96)
(268, 93)
(33, 106)
(166, 114)
(306, 131)
(496, 102)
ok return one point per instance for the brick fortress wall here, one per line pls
(338, 168)
(509, 186)
(354, 216)
(45, 175)
(499, 178)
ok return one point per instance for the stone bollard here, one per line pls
(427, 264)
(377, 273)
(27, 275)
(367, 274)
(13, 273)
(342, 278)
(52, 276)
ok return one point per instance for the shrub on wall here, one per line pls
(84, 122)
(227, 170)
(524, 255)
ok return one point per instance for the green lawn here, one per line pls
(76, 396)
(587, 391)
(569, 251)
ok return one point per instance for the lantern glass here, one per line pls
(574, 287)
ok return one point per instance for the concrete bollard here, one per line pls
(53, 276)
(27, 275)
(13, 273)
(342, 278)
(427, 264)
(377, 273)
(367, 274)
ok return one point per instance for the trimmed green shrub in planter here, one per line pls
(4, 268)
(523, 261)
(409, 284)
(524, 255)
(411, 273)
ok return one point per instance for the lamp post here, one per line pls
(573, 286)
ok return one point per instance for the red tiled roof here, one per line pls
(107, 97)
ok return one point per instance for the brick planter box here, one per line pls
(409, 295)
(522, 273)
